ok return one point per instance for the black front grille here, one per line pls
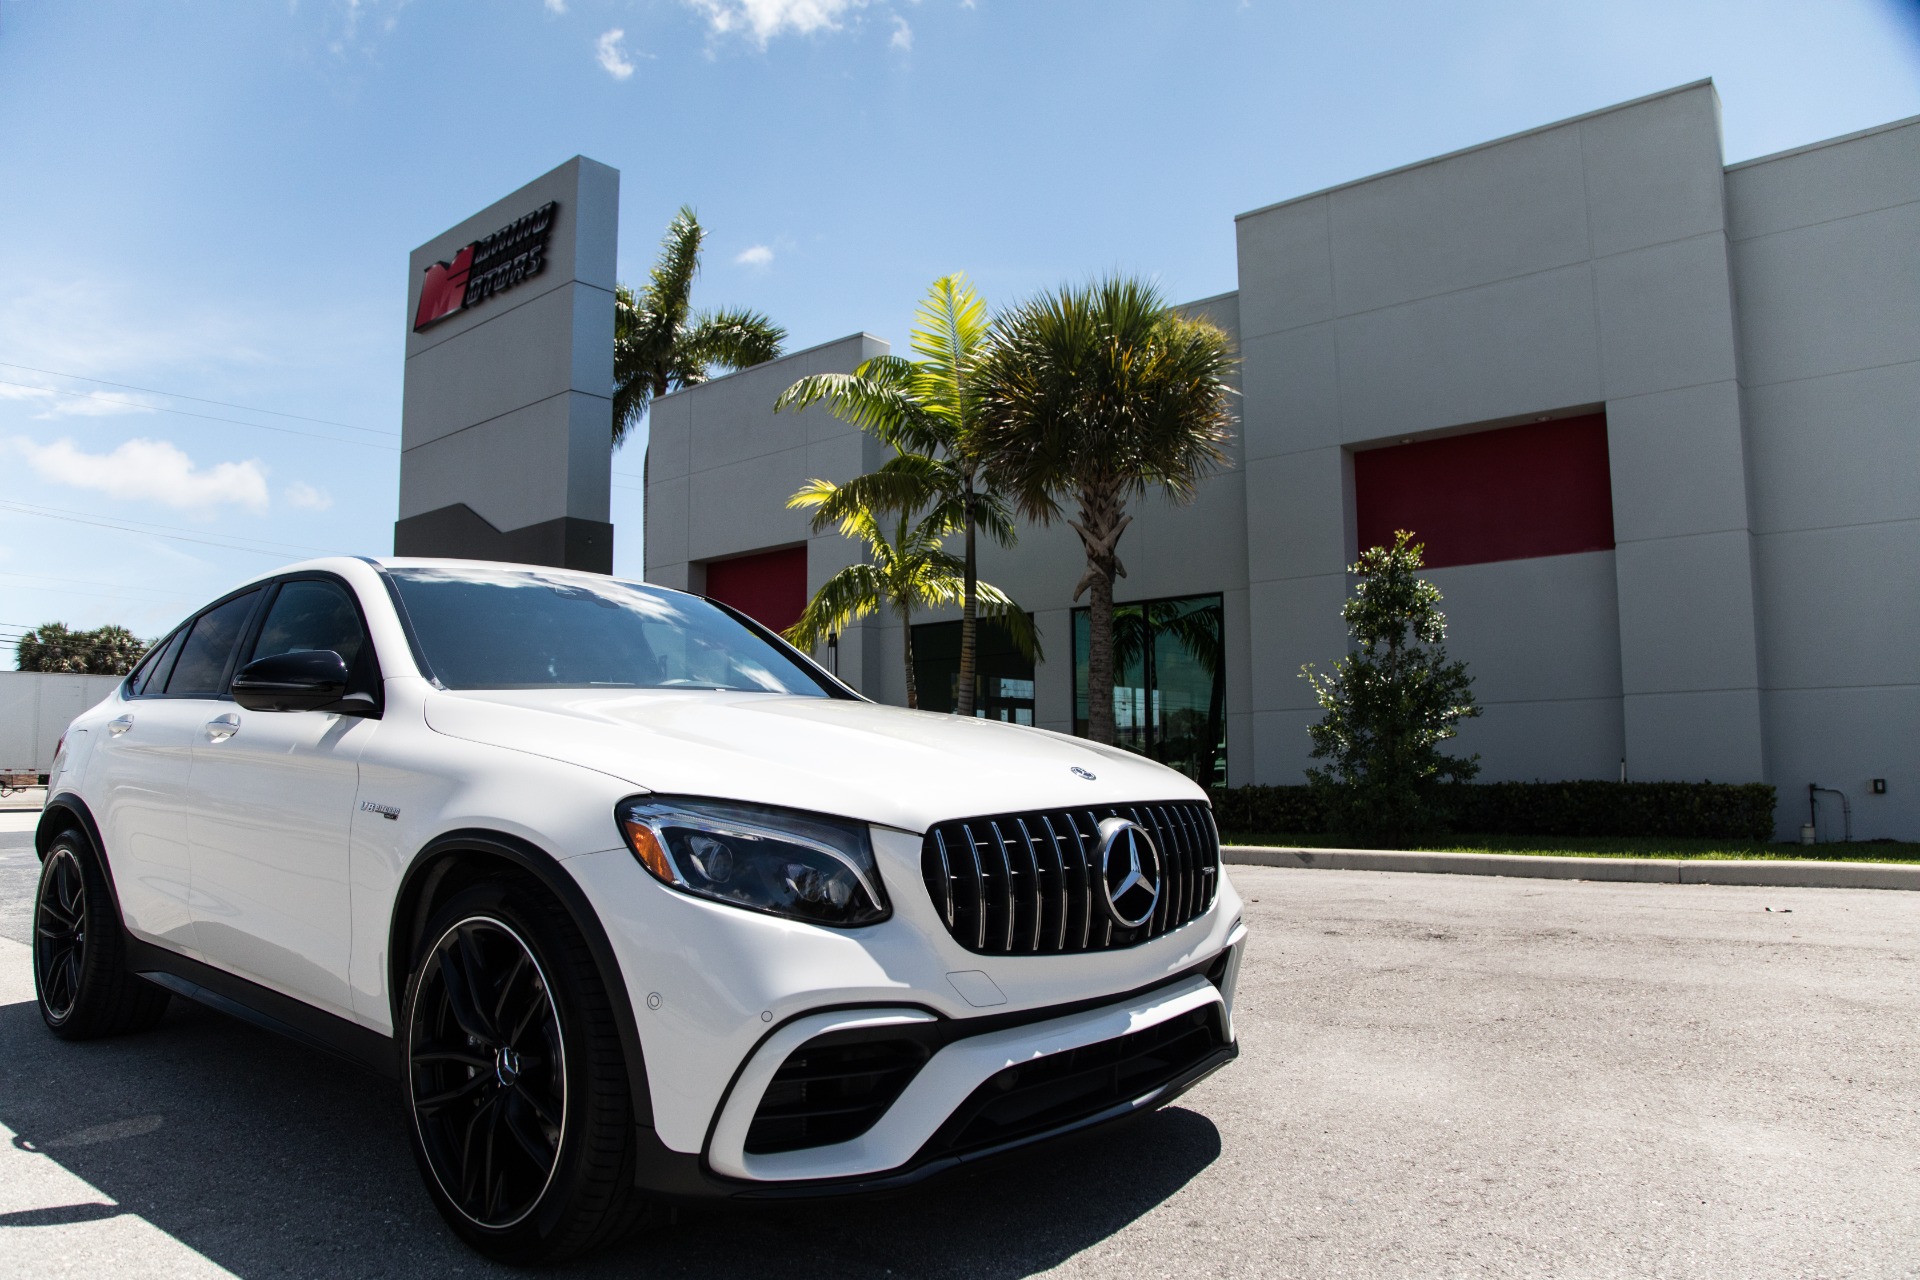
(1030, 883)
(832, 1089)
(1062, 1089)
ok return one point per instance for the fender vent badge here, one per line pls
(386, 811)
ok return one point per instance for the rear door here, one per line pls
(273, 797)
(137, 777)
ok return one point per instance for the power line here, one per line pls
(279, 549)
(208, 417)
(224, 404)
(85, 582)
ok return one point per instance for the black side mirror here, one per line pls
(305, 680)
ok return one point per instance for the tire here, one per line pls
(515, 1081)
(80, 975)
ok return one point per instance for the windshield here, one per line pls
(525, 629)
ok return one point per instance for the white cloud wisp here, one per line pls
(612, 58)
(150, 471)
(306, 497)
(758, 255)
(902, 38)
(764, 19)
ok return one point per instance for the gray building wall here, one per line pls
(1577, 266)
(1753, 336)
(1825, 266)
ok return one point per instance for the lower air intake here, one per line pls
(832, 1090)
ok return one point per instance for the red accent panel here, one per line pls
(1542, 489)
(445, 290)
(770, 588)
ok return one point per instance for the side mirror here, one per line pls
(305, 680)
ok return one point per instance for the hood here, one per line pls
(885, 765)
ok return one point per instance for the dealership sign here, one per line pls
(490, 265)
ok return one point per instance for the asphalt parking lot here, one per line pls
(1441, 1076)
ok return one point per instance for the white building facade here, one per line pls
(1656, 418)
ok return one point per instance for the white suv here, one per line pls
(639, 903)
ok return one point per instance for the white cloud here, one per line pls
(56, 402)
(758, 255)
(612, 57)
(307, 497)
(764, 19)
(556, 6)
(902, 35)
(150, 471)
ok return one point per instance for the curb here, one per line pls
(1777, 874)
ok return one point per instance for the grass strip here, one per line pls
(1608, 847)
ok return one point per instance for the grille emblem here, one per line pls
(1130, 870)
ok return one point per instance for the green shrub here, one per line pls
(1702, 810)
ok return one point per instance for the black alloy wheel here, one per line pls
(487, 1072)
(60, 935)
(79, 950)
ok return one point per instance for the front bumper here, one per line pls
(724, 997)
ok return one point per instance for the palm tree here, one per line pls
(904, 571)
(927, 408)
(660, 344)
(1098, 393)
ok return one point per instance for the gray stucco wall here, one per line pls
(1583, 264)
(1825, 265)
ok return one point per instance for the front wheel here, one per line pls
(522, 1120)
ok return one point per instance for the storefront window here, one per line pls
(1169, 689)
(1003, 679)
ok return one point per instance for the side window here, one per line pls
(209, 643)
(152, 675)
(312, 614)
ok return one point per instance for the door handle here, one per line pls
(119, 726)
(220, 728)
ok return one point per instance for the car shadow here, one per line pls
(269, 1159)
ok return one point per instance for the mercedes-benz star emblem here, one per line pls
(1130, 868)
(1078, 772)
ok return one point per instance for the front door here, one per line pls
(273, 801)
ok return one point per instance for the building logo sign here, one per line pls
(490, 265)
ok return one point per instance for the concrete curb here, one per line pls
(1781, 874)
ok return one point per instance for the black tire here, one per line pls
(80, 971)
(512, 1058)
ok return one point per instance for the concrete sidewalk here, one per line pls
(1792, 874)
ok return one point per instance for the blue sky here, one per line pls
(217, 200)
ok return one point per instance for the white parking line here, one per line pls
(53, 1223)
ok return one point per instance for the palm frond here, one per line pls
(855, 592)
(733, 339)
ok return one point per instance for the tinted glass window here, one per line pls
(152, 675)
(311, 615)
(210, 642)
(506, 629)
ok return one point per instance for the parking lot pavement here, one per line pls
(1441, 1076)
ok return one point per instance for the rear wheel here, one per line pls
(79, 953)
(522, 1120)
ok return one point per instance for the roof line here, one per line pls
(785, 355)
(1706, 83)
(1826, 142)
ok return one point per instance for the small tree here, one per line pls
(104, 651)
(1390, 703)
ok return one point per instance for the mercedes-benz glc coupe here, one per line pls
(637, 903)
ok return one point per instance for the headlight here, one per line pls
(799, 865)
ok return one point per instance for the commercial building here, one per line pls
(1656, 418)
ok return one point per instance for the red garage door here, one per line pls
(769, 587)
(1542, 489)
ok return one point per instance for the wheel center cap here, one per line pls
(506, 1066)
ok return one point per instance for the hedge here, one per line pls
(1702, 810)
